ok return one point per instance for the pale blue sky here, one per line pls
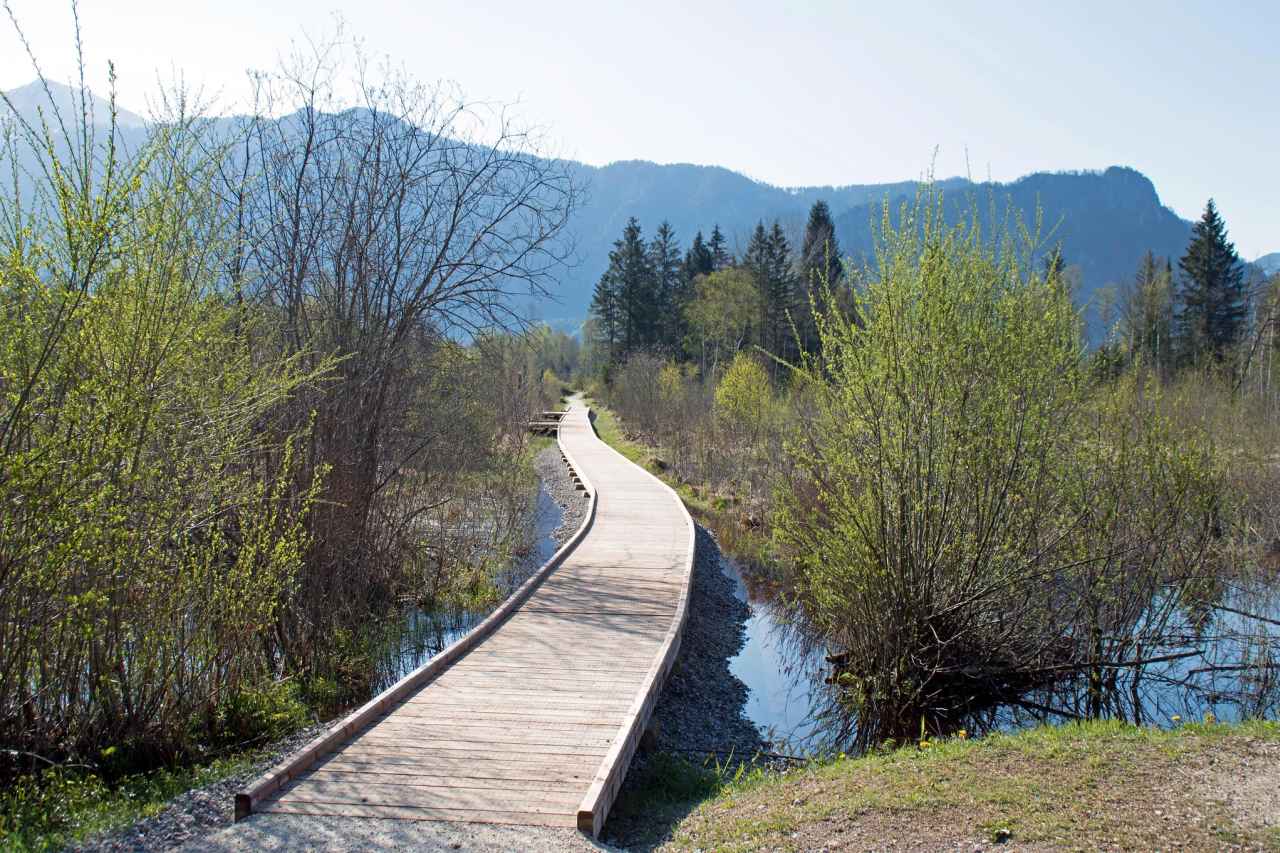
(790, 93)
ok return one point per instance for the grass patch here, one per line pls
(656, 797)
(61, 807)
(1079, 786)
(609, 428)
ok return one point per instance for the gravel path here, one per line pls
(698, 714)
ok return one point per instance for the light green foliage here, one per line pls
(66, 805)
(151, 523)
(744, 398)
(969, 515)
(259, 713)
(672, 385)
(722, 313)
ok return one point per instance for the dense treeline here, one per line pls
(973, 515)
(1196, 317)
(708, 304)
(260, 381)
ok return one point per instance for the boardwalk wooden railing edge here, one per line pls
(333, 737)
(613, 769)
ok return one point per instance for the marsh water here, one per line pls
(422, 634)
(1231, 675)
(782, 683)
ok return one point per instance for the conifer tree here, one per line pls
(720, 257)
(820, 265)
(820, 253)
(629, 263)
(1055, 264)
(1213, 296)
(781, 294)
(768, 258)
(664, 261)
(758, 262)
(698, 260)
(606, 310)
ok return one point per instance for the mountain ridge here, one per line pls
(33, 96)
(1105, 220)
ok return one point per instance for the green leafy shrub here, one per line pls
(972, 520)
(261, 714)
(153, 520)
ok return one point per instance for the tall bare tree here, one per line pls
(381, 218)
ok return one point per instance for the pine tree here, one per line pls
(820, 253)
(1055, 264)
(768, 258)
(758, 262)
(664, 260)
(637, 297)
(720, 257)
(820, 266)
(606, 310)
(780, 295)
(698, 260)
(1213, 294)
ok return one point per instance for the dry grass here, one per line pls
(1076, 787)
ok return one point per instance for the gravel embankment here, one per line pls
(555, 479)
(195, 813)
(699, 714)
(700, 711)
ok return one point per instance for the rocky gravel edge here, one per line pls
(700, 713)
(194, 813)
(554, 475)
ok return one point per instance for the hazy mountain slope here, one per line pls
(1269, 264)
(1105, 221)
(32, 97)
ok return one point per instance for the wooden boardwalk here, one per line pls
(532, 718)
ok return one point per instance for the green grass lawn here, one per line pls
(1077, 786)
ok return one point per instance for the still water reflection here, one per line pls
(1230, 672)
(781, 682)
(423, 634)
